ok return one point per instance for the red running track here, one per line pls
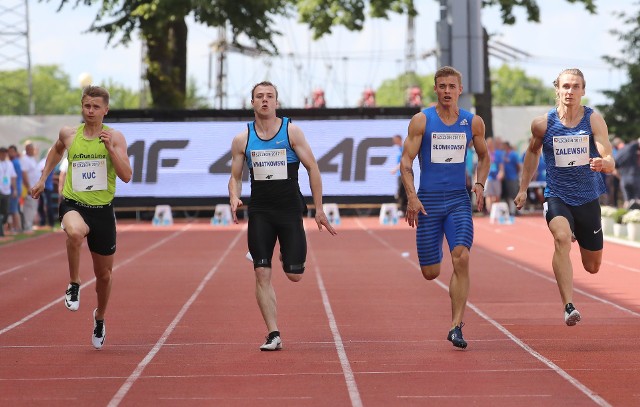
(363, 328)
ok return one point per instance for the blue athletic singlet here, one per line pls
(566, 153)
(274, 166)
(443, 152)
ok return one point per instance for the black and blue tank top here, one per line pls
(566, 153)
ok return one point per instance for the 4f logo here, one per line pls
(269, 176)
(449, 159)
(571, 163)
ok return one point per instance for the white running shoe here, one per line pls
(273, 342)
(72, 297)
(571, 315)
(99, 332)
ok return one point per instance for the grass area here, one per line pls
(23, 236)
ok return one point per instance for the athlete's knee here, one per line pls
(563, 238)
(294, 271)
(592, 266)
(430, 272)
(460, 256)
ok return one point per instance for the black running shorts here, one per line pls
(585, 221)
(101, 220)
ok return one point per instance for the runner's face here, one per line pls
(448, 90)
(93, 109)
(264, 99)
(570, 89)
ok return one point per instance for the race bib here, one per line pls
(269, 165)
(448, 148)
(571, 151)
(5, 180)
(89, 175)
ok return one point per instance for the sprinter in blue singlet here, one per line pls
(574, 142)
(273, 149)
(441, 207)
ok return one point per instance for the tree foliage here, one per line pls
(393, 92)
(511, 86)
(622, 115)
(52, 93)
(162, 26)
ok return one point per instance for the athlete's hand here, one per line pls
(235, 203)
(520, 200)
(321, 220)
(596, 164)
(36, 190)
(479, 191)
(107, 138)
(414, 206)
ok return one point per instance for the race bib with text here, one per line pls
(269, 164)
(448, 148)
(571, 151)
(89, 175)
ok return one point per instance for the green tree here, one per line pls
(512, 87)
(622, 115)
(162, 26)
(393, 92)
(52, 93)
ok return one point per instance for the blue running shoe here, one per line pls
(455, 337)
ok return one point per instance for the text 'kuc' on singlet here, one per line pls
(273, 165)
(443, 152)
(566, 153)
(91, 178)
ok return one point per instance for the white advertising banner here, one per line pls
(192, 159)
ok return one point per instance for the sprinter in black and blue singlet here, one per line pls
(273, 149)
(574, 142)
(441, 206)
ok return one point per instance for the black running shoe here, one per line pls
(455, 337)
(571, 315)
(273, 342)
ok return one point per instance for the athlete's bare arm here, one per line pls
(531, 158)
(303, 151)
(410, 150)
(237, 163)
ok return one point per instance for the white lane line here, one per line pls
(553, 280)
(126, 386)
(350, 380)
(573, 381)
(38, 260)
(60, 299)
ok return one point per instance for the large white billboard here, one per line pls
(192, 159)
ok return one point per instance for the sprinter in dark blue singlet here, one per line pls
(441, 207)
(273, 149)
(574, 141)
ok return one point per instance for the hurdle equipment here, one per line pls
(221, 215)
(332, 212)
(163, 216)
(388, 214)
(500, 214)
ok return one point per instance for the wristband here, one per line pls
(477, 183)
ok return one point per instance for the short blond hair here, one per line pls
(96, 92)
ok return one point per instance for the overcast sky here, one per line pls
(345, 63)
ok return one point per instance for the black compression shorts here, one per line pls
(287, 227)
(584, 220)
(101, 221)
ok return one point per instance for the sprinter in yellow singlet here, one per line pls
(96, 154)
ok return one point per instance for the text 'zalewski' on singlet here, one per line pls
(443, 152)
(566, 154)
(91, 178)
(273, 165)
